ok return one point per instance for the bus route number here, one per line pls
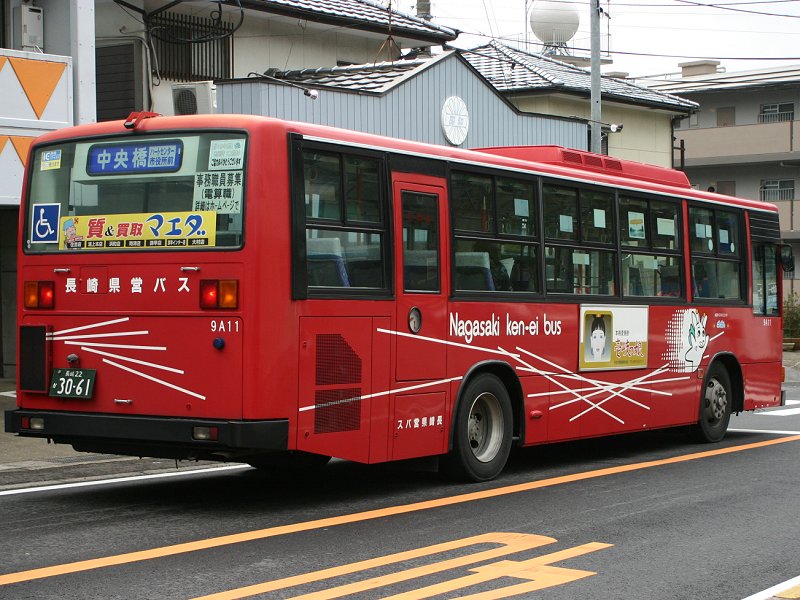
(223, 326)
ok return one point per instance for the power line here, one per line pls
(739, 10)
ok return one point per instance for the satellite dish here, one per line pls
(554, 23)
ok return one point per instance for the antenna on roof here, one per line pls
(389, 42)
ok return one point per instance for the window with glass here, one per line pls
(765, 280)
(579, 271)
(774, 190)
(578, 222)
(650, 261)
(164, 192)
(776, 113)
(345, 224)
(420, 242)
(714, 240)
(496, 247)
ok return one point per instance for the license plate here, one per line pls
(73, 383)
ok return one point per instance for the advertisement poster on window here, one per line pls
(613, 337)
(140, 231)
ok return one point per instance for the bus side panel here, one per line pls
(536, 391)
(762, 385)
(381, 425)
(335, 382)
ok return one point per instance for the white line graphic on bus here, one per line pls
(589, 390)
(87, 343)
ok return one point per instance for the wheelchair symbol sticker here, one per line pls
(45, 223)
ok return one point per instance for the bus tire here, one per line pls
(483, 430)
(715, 405)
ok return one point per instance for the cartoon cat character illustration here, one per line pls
(696, 340)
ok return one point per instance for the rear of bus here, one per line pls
(130, 328)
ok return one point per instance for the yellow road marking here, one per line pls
(537, 570)
(260, 534)
(511, 543)
(791, 593)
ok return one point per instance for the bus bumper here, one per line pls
(151, 436)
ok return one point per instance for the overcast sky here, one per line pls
(677, 28)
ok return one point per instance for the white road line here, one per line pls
(11, 394)
(785, 412)
(770, 431)
(99, 482)
(775, 589)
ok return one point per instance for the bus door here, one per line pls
(421, 320)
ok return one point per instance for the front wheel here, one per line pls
(483, 430)
(715, 405)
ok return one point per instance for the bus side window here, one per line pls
(325, 263)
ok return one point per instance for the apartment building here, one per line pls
(745, 138)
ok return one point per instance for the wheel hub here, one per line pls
(716, 399)
(485, 427)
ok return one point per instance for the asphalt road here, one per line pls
(640, 516)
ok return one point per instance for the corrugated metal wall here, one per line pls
(411, 110)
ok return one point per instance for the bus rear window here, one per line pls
(166, 192)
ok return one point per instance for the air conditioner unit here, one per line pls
(196, 98)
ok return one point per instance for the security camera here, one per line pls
(313, 94)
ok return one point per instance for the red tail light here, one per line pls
(219, 293)
(39, 294)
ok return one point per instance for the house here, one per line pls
(745, 139)
(542, 84)
(439, 100)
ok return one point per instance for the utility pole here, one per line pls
(596, 117)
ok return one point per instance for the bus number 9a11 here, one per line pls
(222, 326)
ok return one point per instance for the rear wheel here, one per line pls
(715, 405)
(483, 429)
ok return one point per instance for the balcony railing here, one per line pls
(732, 145)
(776, 195)
(777, 117)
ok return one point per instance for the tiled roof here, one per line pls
(512, 70)
(756, 78)
(373, 77)
(361, 14)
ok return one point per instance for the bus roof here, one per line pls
(553, 161)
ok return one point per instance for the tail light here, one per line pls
(39, 294)
(219, 293)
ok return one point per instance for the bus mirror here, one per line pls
(787, 258)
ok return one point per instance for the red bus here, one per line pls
(242, 288)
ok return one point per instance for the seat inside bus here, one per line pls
(420, 269)
(473, 271)
(325, 263)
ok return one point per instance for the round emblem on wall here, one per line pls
(455, 120)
